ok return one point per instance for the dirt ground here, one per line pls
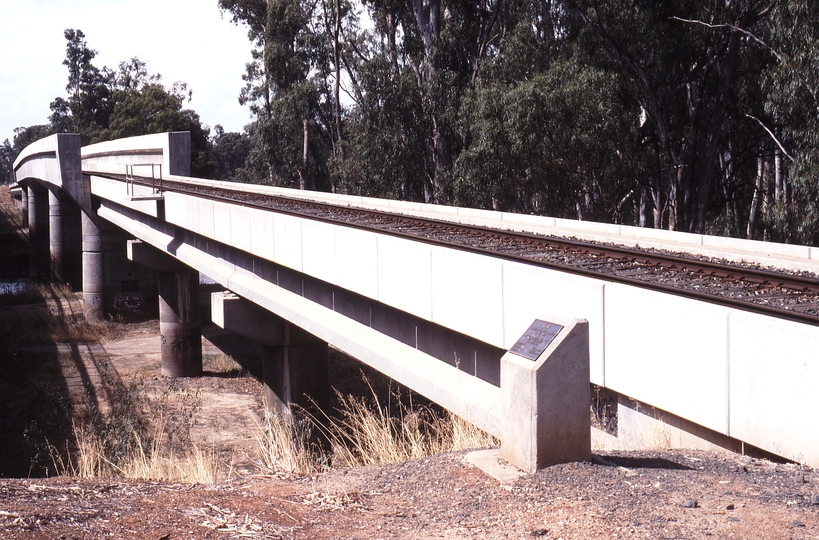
(658, 495)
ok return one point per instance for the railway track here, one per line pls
(781, 294)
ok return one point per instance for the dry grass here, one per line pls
(153, 459)
(364, 433)
(283, 446)
(223, 363)
(122, 441)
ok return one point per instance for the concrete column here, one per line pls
(179, 324)
(55, 237)
(92, 270)
(72, 243)
(24, 204)
(39, 256)
(295, 372)
(294, 363)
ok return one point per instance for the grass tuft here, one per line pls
(364, 432)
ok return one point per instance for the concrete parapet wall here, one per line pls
(171, 150)
(55, 161)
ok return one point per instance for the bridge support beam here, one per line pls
(38, 232)
(294, 363)
(179, 323)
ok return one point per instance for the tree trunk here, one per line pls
(760, 177)
(303, 168)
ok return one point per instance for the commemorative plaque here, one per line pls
(535, 340)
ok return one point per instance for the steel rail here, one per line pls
(751, 276)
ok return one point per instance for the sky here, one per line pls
(183, 40)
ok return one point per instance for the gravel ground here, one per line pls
(665, 495)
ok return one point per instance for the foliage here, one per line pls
(682, 115)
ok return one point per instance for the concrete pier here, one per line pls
(55, 237)
(93, 305)
(294, 363)
(179, 324)
(24, 204)
(295, 372)
(38, 235)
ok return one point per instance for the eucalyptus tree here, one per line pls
(681, 59)
(792, 121)
(88, 106)
(291, 118)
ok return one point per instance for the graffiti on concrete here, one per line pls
(130, 302)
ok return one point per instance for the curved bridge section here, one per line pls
(666, 371)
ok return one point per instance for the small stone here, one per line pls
(797, 523)
(730, 506)
(690, 503)
(799, 479)
(815, 500)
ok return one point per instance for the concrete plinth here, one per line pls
(38, 236)
(294, 363)
(546, 400)
(179, 324)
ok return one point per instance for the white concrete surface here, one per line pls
(529, 291)
(465, 395)
(55, 160)
(171, 150)
(774, 380)
(668, 351)
(114, 190)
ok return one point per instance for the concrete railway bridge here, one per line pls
(657, 370)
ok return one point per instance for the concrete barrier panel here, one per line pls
(318, 251)
(404, 280)
(775, 385)
(241, 233)
(357, 261)
(223, 223)
(114, 190)
(287, 237)
(757, 248)
(467, 294)
(262, 240)
(668, 351)
(529, 291)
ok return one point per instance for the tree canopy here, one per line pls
(685, 115)
(673, 114)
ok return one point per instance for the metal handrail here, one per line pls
(156, 182)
